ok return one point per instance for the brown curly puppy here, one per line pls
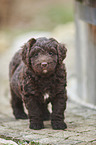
(37, 69)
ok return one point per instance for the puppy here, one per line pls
(37, 69)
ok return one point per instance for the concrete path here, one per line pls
(81, 120)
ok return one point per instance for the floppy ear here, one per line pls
(61, 52)
(26, 49)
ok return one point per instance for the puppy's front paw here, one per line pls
(36, 126)
(59, 125)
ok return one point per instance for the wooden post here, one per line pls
(85, 14)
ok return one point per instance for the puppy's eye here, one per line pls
(36, 54)
(51, 53)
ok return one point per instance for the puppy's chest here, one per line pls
(46, 85)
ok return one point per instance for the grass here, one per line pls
(55, 15)
(60, 15)
(26, 143)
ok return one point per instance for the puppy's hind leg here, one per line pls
(17, 106)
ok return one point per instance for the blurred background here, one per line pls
(18, 17)
(34, 15)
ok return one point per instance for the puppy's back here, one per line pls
(15, 62)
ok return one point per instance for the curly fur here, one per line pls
(37, 69)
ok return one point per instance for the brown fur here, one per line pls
(37, 69)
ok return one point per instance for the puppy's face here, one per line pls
(42, 55)
(43, 59)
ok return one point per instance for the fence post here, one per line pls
(85, 18)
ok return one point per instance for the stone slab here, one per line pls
(81, 128)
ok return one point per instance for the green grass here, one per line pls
(60, 15)
(55, 15)
(30, 143)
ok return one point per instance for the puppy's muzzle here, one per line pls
(44, 66)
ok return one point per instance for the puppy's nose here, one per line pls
(44, 64)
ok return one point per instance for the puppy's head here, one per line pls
(43, 55)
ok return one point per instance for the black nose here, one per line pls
(44, 64)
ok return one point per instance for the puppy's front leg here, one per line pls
(58, 107)
(34, 112)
